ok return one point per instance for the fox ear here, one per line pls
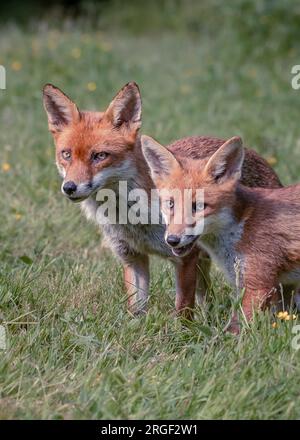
(60, 109)
(126, 107)
(160, 160)
(226, 163)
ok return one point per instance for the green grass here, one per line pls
(73, 350)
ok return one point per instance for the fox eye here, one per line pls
(169, 204)
(66, 154)
(98, 157)
(198, 206)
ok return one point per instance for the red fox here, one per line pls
(253, 234)
(96, 150)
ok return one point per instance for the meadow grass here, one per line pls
(73, 350)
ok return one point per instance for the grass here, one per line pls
(73, 350)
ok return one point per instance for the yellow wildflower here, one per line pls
(271, 160)
(16, 65)
(290, 317)
(285, 316)
(5, 166)
(91, 86)
(282, 315)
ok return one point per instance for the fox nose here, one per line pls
(69, 187)
(173, 240)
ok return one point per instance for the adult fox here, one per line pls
(96, 150)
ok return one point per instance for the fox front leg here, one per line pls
(136, 278)
(136, 275)
(203, 277)
(186, 280)
(253, 300)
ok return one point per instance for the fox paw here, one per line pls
(137, 311)
(185, 314)
(233, 328)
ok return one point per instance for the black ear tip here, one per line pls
(48, 86)
(238, 140)
(132, 85)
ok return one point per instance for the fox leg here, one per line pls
(297, 298)
(254, 299)
(136, 278)
(136, 275)
(186, 276)
(291, 296)
(203, 277)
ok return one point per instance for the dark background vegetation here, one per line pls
(258, 19)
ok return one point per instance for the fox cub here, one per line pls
(253, 234)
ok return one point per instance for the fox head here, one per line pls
(196, 195)
(93, 149)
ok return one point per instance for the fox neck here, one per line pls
(223, 244)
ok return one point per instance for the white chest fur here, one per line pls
(221, 246)
(145, 239)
